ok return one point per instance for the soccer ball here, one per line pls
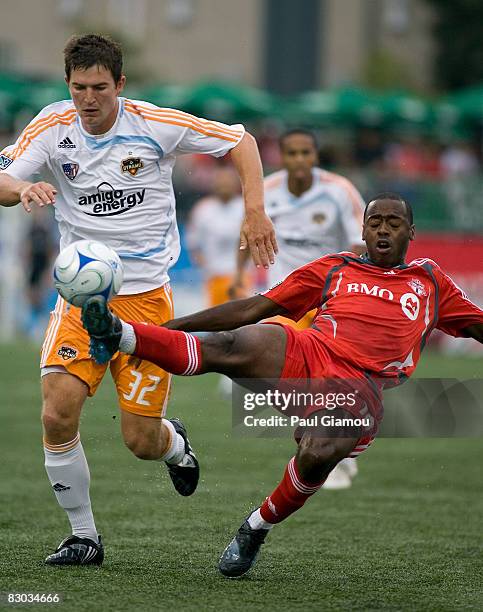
(86, 268)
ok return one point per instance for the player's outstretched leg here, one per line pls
(253, 351)
(304, 475)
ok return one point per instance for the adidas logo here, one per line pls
(66, 144)
(60, 487)
(187, 461)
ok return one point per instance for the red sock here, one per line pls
(174, 351)
(290, 495)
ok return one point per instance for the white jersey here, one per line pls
(214, 230)
(325, 219)
(117, 187)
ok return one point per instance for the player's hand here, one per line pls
(257, 234)
(38, 193)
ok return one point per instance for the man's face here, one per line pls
(299, 155)
(94, 94)
(387, 232)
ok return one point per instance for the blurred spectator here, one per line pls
(459, 160)
(431, 160)
(368, 147)
(405, 158)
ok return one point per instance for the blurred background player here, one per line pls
(315, 212)
(111, 159)
(213, 237)
(213, 234)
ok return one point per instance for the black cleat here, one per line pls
(185, 475)
(77, 551)
(241, 553)
(104, 328)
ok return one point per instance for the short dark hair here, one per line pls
(93, 50)
(389, 195)
(297, 132)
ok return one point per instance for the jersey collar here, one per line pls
(365, 259)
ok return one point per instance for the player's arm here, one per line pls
(299, 293)
(230, 315)
(21, 161)
(202, 136)
(13, 191)
(257, 232)
(474, 331)
(458, 315)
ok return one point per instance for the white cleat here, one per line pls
(350, 466)
(337, 479)
(342, 475)
(225, 387)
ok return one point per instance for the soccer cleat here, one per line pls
(337, 480)
(185, 475)
(103, 327)
(77, 551)
(342, 475)
(241, 553)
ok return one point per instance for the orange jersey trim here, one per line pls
(185, 122)
(40, 126)
(177, 114)
(330, 177)
(271, 182)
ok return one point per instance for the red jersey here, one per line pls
(376, 319)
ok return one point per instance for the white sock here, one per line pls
(175, 452)
(128, 338)
(68, 472)
(256, 521)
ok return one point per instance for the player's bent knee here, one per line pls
(317, 452)
(217, 349)
(58, 423)
(63, 397)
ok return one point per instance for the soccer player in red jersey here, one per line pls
(374, 314)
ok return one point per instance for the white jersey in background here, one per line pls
(214, 231)
(325, 219)
(116, 187)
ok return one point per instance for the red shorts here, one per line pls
(307, 358)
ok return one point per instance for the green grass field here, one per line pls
(406, 536)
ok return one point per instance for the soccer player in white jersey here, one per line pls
(315, 212)
(214, 232)
(108, 161)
